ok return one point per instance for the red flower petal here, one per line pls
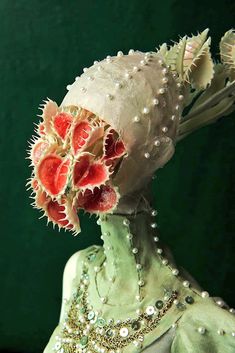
(97, 174)
(47, 170)
(38, 150)
(62, 174)
(95, 135)
(113, 146)
(101, 199)
(81, 168)
(34, 184)
(41, 199)
(80, 135)
(49, 110)
(63, 214)
(41, 129)
(56, 213)
(62, 123)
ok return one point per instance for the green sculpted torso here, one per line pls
(172, 314)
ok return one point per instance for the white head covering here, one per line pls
(138, 96)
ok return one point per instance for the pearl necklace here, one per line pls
(85, 330)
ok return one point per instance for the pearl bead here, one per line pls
(159, 251)
(148, 54)
(131, 52)
(109, 96)
(173, 117)
(127, 75)
(233, 333)
(155, 101)
(154, 225)
(141, 283)
(221, 332)
(204, 294)
(147, 155)
(143, 62)
(126, 222)
(118, 85)
(135, 250)
(138, 297)
(178, 85)
(138, 266)
(136, 119)
(137, 344)
(138, 311)
(129, 236)
(85, 69)
(145, 110)
(177, 107)
(161, 90)
(156, 239)
(153, 213)
(232, 311)
(90, 78)
(176, 301)
(96, 62)
(157, 143)
(136, 68)
(164, 71)
(160, 62)
(186, 284)
(103, 300)
(96, 268)
(175, 272)
(167, 139)
(174, 325)
(165, 261)
(181, 97)
(108, 58)
(165, 80)
(76, 78)
(98, 221)
(68, 87)
(201, 330)
(220, 303)
(165, 129)
(119, 53)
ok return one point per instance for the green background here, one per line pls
(43, 46)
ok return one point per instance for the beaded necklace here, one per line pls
(84, 330)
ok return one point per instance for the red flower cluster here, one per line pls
(74, 157)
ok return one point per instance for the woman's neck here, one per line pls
(131, 258)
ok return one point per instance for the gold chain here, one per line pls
(84, 331)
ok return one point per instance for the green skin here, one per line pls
(122, 291)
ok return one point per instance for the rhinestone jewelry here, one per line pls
(150, 310)
(86, 329)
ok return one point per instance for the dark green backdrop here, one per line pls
(43, 46)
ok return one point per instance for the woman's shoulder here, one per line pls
(85, 255)
(73, 271)
(205, 327)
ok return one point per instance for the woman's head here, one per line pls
(119, 123)
(115, 127)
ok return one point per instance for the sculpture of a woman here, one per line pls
(120, 122)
